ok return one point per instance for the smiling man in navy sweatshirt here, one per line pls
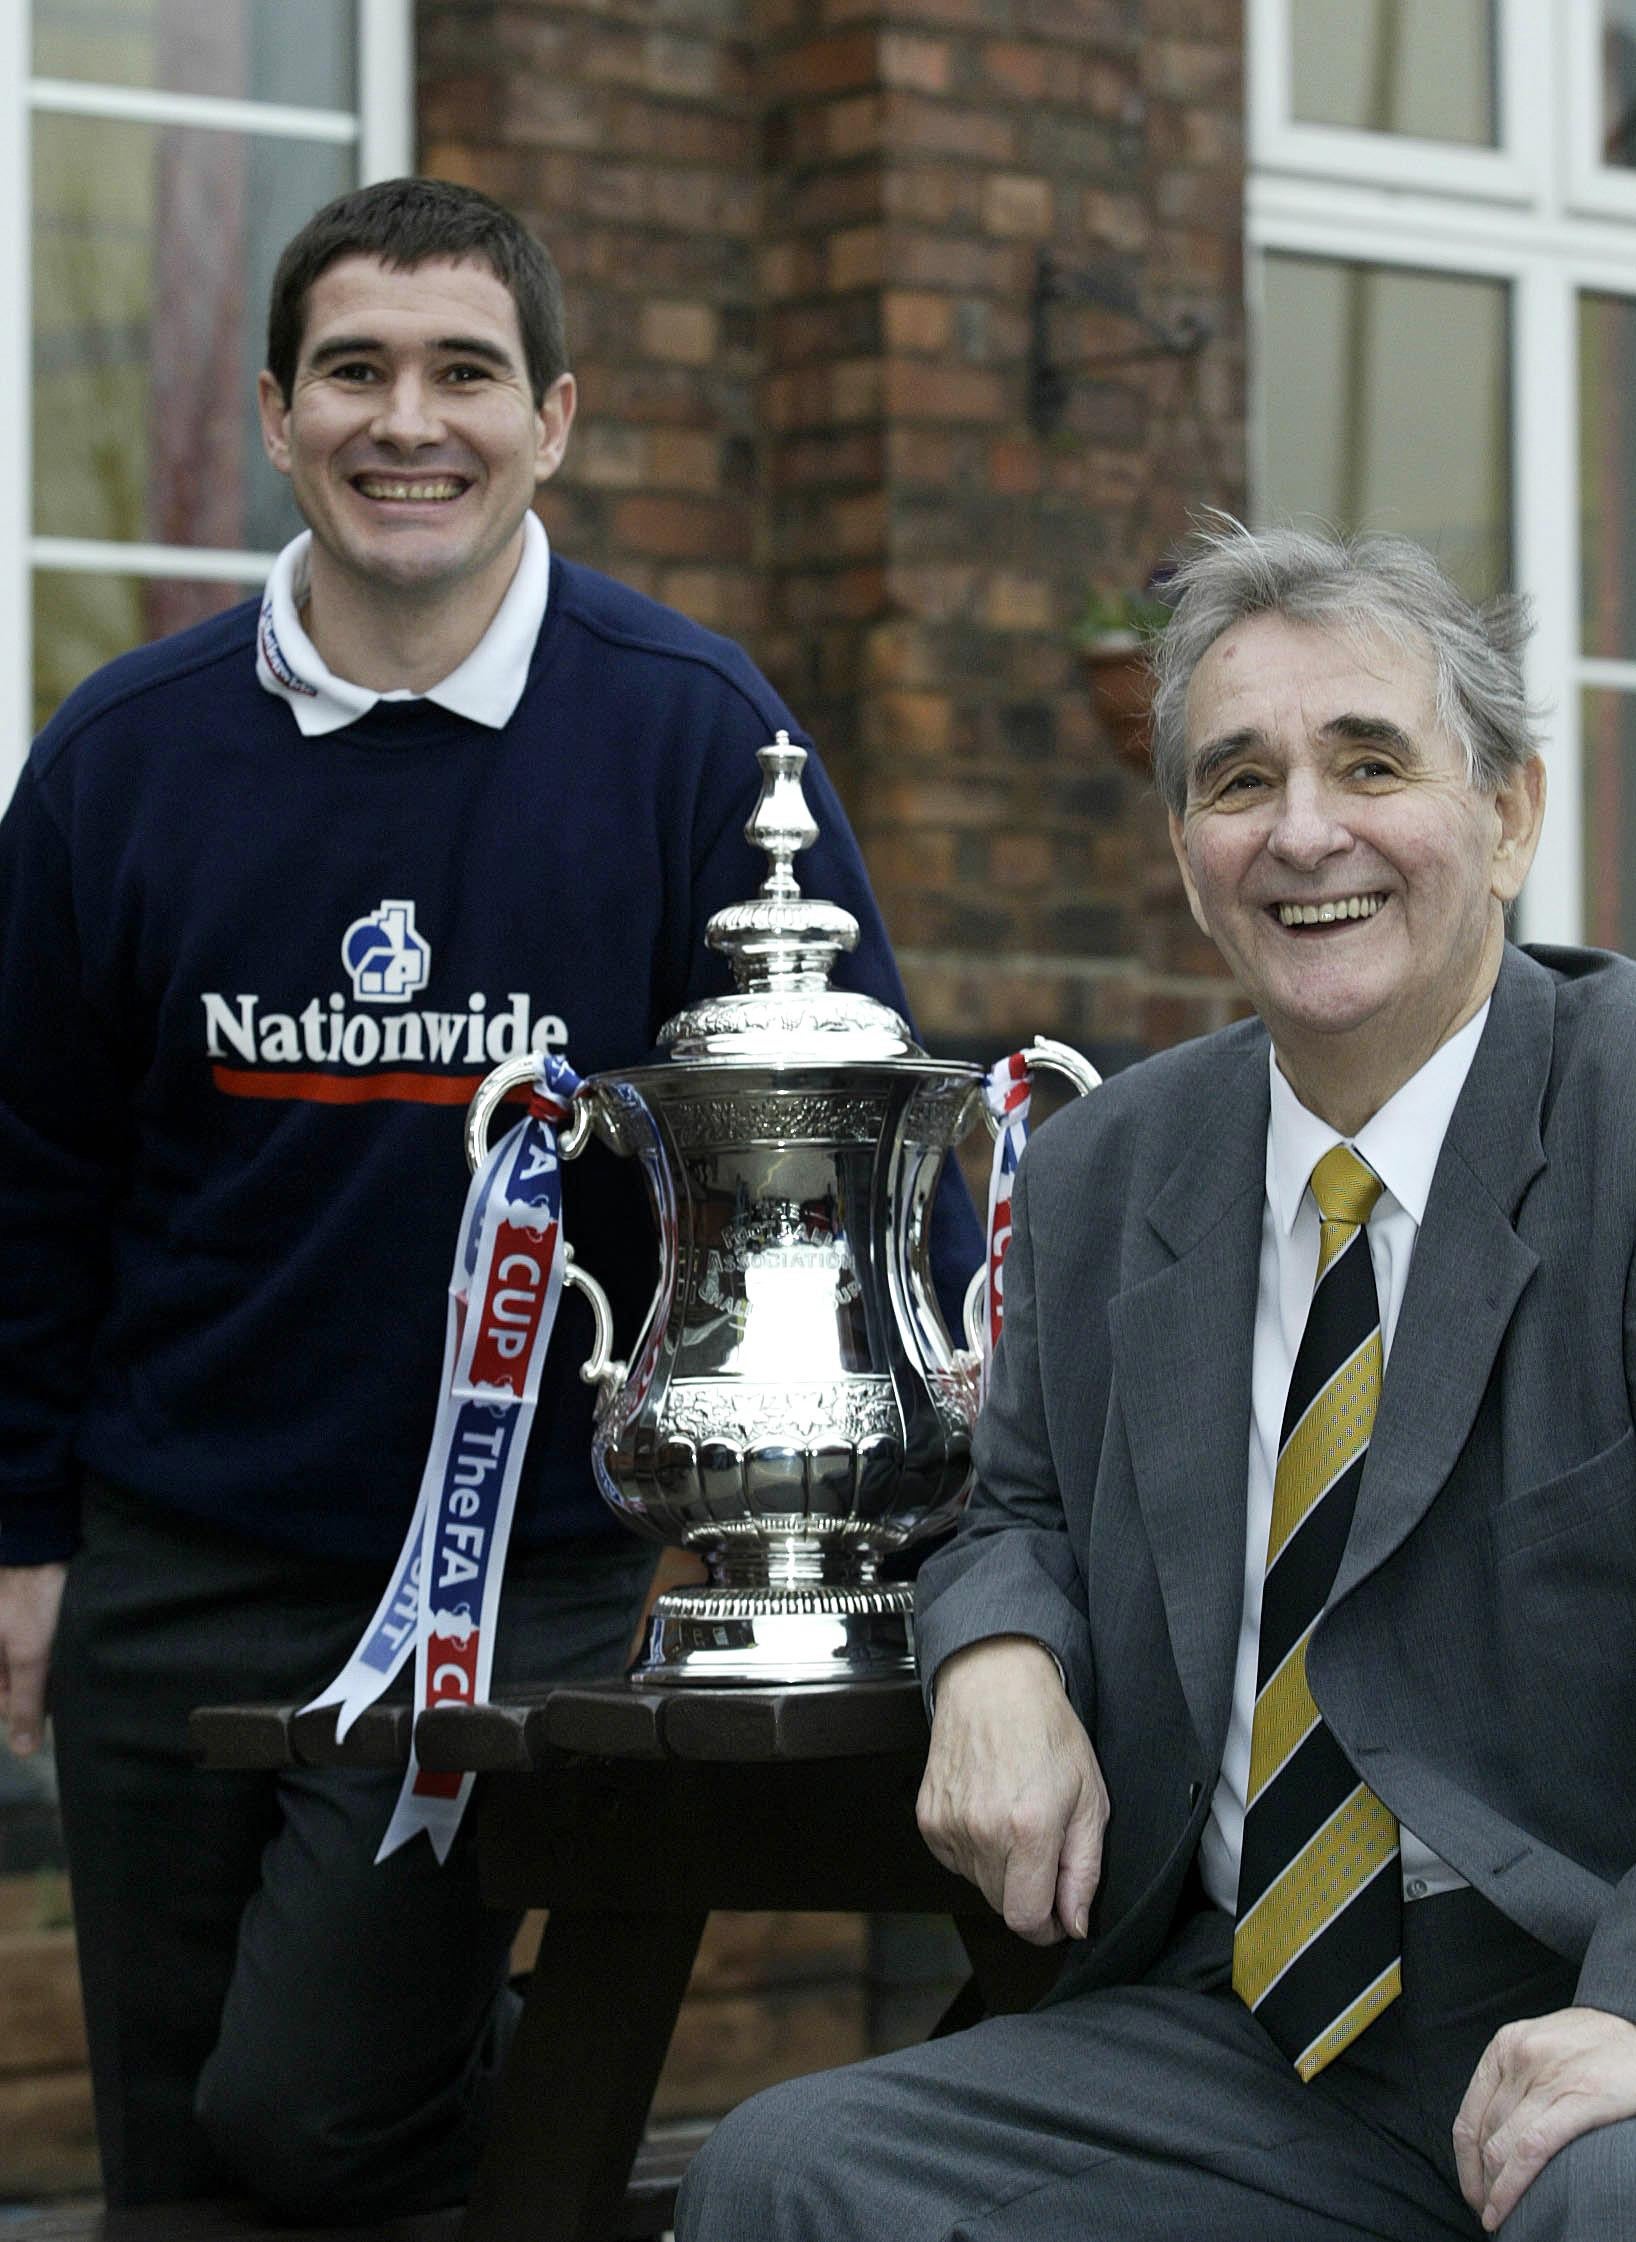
(274, 895)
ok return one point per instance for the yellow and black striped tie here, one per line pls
(1316, 1951)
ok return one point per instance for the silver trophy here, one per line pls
(795, 1409)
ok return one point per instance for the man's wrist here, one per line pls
(968, 1652)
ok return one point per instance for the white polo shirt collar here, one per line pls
(485, 688)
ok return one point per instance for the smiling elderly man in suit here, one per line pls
(1286, 1658)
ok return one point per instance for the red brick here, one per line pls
(1013, 601)
(718, 598)
(853, 127)
(941, 128)
(840, 64)
(957, 14)
(790, 268)
(1026, 72)
(682, 528)
(914, 321)
(684, 459)
(922, 456)
(1014, 467)
(916, 64)
(914, 725)
(1016, 204)
(917, 391)
(856, 258)
(544, 112)
(687, 334)
(606, 455)
(931, 194)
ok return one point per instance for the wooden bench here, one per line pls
(631, 1813)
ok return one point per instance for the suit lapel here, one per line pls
(1182, 1341)
(1468, 1273)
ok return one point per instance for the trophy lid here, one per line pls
(782, 945)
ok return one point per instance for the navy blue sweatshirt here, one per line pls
(248, 982)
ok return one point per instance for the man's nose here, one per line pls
(1309, 827)
(407, 412)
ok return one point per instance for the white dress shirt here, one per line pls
(485, 688)
(1401, 1143)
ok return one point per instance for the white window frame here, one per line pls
(1608, 190)
(383, 131)
(1510, 172)
(1549, 252)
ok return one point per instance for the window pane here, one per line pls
(298, 51)
(1609, 780)
(1422, 67)
(1384, 404)
(82, 621)
(1619, 82)
(1607, 474)
(153, 251)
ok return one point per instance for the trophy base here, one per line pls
(779, 1636)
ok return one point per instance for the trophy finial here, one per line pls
(781, 823)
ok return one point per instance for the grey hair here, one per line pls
(1362, 585)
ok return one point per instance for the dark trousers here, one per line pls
(267, 2010)
(1161, 2112)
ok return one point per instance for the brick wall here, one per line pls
(799, 239)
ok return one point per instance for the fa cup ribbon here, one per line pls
(1007, 1089)
(444, 1594)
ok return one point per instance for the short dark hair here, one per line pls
(409, 222)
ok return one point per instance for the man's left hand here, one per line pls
(1540, 2083)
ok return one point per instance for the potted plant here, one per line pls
(1114, 636)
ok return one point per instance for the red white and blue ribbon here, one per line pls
(1007, 1088)
(445, 1590)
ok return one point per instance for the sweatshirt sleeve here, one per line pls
(61, 1128)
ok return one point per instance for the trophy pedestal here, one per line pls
(780, 1635)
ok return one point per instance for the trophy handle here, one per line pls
(1062, 1059)
(971, 1313)
(495, 1087)
(600, 1367)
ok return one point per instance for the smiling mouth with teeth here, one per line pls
(1330, 913)
(396, 488)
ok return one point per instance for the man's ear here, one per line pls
(1178, 841)
(1520, 806)
(274, 413)
(555, 417)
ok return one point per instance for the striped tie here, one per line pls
(1320, 1904)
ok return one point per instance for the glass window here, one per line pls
(1607, 475)
(84, 620)
(1383, 400)
(1427, 68)
(1608, 777)
(1619, 82)
(303, 52)
(153, 252)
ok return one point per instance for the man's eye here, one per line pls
(354, 370)
(460, 375)
(1242, 782)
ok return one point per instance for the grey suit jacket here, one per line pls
(1477, 1657)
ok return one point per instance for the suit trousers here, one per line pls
(267, 2010)
(1162, 2112)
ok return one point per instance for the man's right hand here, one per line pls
(1012, 1798)
(29, 1599)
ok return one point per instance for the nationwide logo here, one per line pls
(327, 1053)
(387, 959)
